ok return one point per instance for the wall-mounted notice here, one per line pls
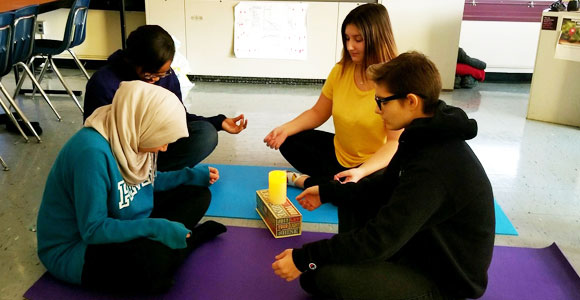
(274, 30)
(568, 45)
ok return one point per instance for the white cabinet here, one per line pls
(555, 90)
(207, 27)
(169, 14)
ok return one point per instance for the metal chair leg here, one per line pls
(35, 83)
(13, 119)
(4, 164)
(68, 90)
(31, 67)
(19, 111)
(79, 64)
(18, 83)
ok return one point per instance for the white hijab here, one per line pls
(142, 115)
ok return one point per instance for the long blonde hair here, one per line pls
(374, 24)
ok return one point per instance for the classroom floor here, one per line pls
(533, 166)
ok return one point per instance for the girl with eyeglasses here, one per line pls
(148, 56)
(361, 145)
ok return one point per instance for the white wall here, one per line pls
(431, 27)
(507, 47)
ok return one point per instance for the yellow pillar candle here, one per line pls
(277, 187)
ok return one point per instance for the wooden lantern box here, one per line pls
(283, 220)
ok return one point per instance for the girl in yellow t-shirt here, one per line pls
(361, 144)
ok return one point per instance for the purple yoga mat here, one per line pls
(237, 265)
(527, 273)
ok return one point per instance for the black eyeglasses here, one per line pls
(380, 101)
(148, 76)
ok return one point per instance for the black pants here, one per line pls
(372, 280)
(312, 152)
(189, 151)
(144, 265)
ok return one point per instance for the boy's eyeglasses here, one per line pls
(148, 76)
(380, 101)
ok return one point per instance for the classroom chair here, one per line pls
(22, 44)
(6, 21)
(74, 35)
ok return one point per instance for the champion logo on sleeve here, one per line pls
(312, 266)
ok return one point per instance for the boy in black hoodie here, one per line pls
(424, 229)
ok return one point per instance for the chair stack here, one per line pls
(7, 58)
(18, 48)
(5, 32)
(22, 46)
(74, 35)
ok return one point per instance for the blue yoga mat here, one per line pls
(234, 196)
(502, 223)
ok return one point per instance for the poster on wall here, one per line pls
(568, 44)
(273, 30)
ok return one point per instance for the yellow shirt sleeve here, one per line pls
(331, 81)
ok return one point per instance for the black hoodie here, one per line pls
(431, 209)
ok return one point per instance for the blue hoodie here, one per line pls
(86, 201)
(104, 83)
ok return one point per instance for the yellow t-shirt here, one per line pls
(359, 131)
